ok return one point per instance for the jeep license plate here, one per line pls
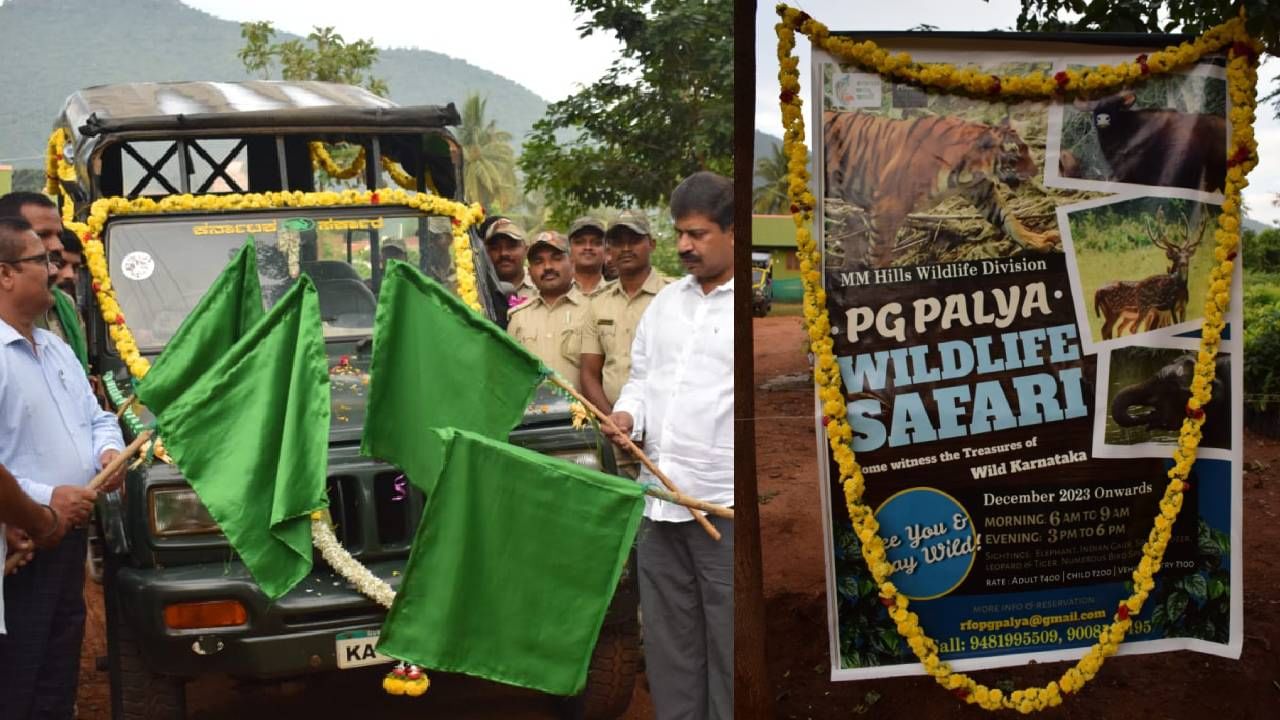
(356, 649)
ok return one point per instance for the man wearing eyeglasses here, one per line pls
(62, 319)
(53, 437)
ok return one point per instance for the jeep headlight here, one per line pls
(586, 457)
(178, 511)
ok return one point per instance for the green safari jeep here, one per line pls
(179, 605)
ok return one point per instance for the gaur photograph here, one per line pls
(1169, 132)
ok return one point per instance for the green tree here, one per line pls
(28, 180)
(328, 58)
(489, 167)
(770, 197)
(663, 109)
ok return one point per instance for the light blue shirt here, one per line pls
(52, 430)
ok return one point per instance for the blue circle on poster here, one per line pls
(929, 540)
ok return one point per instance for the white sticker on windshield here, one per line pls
(138, 265)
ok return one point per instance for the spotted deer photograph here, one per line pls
(916, 178)
(1141, 264)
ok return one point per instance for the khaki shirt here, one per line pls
(49, 321)
(552, 332)
(526, 289)
(610, 327)
(599, 288)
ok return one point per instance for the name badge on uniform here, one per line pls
(604, 321)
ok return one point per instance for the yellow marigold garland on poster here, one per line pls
(1243, 52)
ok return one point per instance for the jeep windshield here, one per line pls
(162, 266)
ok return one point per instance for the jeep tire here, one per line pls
(611, 677)
(136, 692)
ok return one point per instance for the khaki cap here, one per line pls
(504, 227)
(584, 222)
(550, 238)
(393, 242)
(633, 220)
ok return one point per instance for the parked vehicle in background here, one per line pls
(761, 283)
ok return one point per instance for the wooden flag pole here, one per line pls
(126, 405)
(688, 501)
(114, 466)
(644, 459)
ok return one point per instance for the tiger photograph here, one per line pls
(922, 178)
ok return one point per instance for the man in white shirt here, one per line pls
(679, 399)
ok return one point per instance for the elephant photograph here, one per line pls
(1147, 396)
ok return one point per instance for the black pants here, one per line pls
(44, 615)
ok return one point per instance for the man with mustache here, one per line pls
(62, 319)
(610, 325)
(679, 400)
(53, 438)
(586, 249)
(504, 241)
(549, 323)
(73, 259)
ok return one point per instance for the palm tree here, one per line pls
(489, 163)
(770, 197)
(532, 212)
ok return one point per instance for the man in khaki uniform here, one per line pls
(610, 325)
(549, 324)
(586, 249)
(504, 241)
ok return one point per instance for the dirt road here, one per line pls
(1176, 686)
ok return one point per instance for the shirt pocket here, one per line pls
(571, 344)
(526, 335)
(608, 335)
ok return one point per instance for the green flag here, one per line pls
(513, 566)
(226, 312)
(251, 435)
(436, 363)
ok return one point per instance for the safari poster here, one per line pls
(1016, 292)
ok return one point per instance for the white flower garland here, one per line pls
(348, 567)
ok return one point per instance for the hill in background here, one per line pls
(55, 47)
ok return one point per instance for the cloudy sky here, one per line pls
(971, 15)
(534, 42)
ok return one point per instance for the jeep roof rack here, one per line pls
(208, 125)
(125, 107)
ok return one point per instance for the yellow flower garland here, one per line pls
(57, 170)
(321, 158)
(464, 216)
(1242, 156)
